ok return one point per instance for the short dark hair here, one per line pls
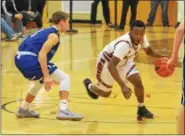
(58, 16)
(137, 23)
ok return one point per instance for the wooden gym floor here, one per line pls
(115, 115)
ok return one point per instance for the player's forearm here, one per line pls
(177, 42)
(43, 64)
(152, 53)
(156, 54)
(114, 72)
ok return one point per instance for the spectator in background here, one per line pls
(10, 13)
(40, 6)
(126, 3)
(154, 6)
(106, 12)
(10, 34)
(29, 9)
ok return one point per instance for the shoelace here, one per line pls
(30, 112)
(67, 111)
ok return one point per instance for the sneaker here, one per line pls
(110, 25)
(68, 115)
(144, 112)
(23, 36)
(91, 94)
(14, 37)
(166, 25)
(19, 34)
(120, 28)
(21, 113)
(92, 25)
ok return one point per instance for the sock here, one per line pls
(63, 104)
(141, 104)
(89, 86)
(25, 105)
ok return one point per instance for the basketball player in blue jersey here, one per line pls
(33, 61)
(176, 45)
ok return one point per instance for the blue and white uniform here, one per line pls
(26, 59)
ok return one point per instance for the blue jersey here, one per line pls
(35, 42)
(27, 60)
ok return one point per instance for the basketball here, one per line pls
(162, 68)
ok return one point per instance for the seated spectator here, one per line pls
(10, 13)
(29, 9)
(10, 34)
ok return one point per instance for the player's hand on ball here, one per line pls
(172, 62)
(47, 83)
(126, 91)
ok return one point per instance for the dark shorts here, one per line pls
(30, 67)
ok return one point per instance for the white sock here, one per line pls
(141, 104)
(89, 86)
(63, 104)
(25, 105)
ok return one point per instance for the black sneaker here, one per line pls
(110, 25)
(92, 25)
(120, 28)
(143, 112)
(91, 94)
(166, 25)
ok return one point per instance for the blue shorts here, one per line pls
(30, 68)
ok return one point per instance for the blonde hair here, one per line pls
(58, 16)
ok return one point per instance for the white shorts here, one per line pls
(105, 80)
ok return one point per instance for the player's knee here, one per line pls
(65, 83)
(34, 89)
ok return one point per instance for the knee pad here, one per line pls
(34, 88)
(65, 83)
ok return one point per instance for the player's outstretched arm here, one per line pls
(149, 51)
(177, 42)
(51, 41)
